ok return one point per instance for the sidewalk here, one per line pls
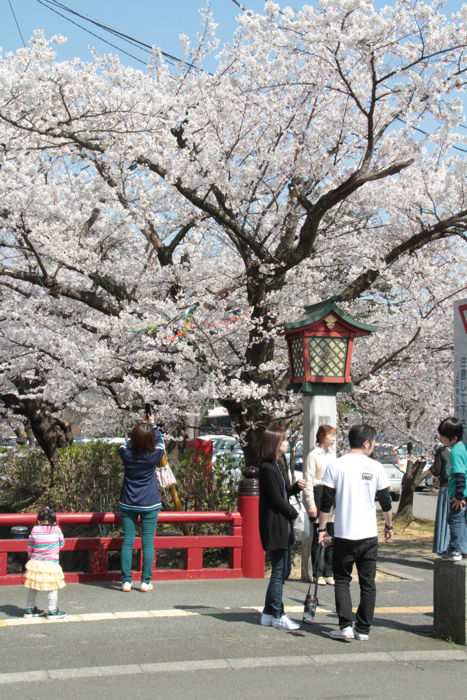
(214, 624)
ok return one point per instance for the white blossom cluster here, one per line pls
(158, 229)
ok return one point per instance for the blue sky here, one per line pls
(156, 22)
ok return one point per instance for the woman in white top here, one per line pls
(313, 471)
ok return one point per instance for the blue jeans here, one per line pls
(458, 529)
(280, 562)
(148, 526)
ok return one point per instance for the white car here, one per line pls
(222, 442)
(395, 477)
(227, 446)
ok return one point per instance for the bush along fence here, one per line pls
(98, 552)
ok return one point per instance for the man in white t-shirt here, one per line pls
(354, 481)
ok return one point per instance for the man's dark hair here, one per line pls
(451, 428)
(358, 434)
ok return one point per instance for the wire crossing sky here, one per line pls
(130, 31)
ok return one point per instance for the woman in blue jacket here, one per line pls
(140, 498)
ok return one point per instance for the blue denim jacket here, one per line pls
(140, 489)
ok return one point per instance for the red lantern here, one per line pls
(320, 349)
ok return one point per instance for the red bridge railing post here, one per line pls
(248, 506)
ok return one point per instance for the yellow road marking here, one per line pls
(202, 611)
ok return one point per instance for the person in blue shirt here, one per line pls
(140, 498)
(450, 434)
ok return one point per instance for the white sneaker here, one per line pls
(344, 635)
(360, 636)
(321, 581)
(266, 620)
(146, 587)
(285, 623)
(126, 587)
(453, 556)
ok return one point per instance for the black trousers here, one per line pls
(363, 553)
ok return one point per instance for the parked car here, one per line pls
(227, 448)
(395, 477)
(107, 440)
(427, 478)
(386, 454)
(298, 458)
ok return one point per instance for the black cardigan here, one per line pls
(275, 511)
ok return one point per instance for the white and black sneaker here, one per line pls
(344, 635)
(360, 636)
(452, 556)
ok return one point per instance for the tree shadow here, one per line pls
(249, 617)
(413, 563)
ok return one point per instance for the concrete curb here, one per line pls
(232, 664)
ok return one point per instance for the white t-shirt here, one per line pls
(356, 478)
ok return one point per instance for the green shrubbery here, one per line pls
(88, 477)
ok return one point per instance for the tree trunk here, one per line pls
(51, 433)
(412, 477)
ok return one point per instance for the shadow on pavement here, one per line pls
(415, 563)
(12, 610)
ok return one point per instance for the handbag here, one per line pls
(301, 524)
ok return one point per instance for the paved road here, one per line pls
(424, 505)
(201, 639)
(364, 681)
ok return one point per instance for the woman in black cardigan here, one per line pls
(275, 523)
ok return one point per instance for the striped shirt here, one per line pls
(45, 542)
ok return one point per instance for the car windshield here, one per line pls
(386, 454)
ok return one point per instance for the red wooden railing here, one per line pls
(100, 547)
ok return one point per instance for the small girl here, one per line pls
(43, 572)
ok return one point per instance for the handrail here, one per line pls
(10, 519)
(98, 548)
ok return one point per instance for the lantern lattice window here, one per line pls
(327, 356)
(296, 350)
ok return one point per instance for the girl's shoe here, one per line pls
(33, 612)
(146, 587)
(329, 580)
(56, 614)
(321, 581)
(126, 587)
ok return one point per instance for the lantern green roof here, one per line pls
(316, 312)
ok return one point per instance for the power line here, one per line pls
(52, 5)
(88, 31)
(16, 22)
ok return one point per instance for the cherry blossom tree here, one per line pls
(159, 228)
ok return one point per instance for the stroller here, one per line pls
(311, 601)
